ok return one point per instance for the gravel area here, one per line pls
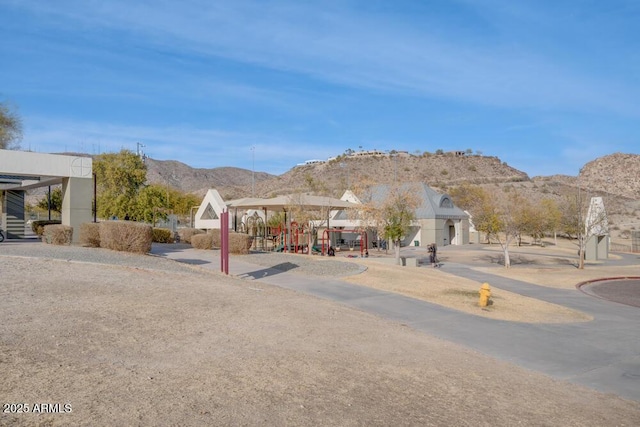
(314, 265)
(128, 344)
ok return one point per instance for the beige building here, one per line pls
(437, 219)
(21, 171)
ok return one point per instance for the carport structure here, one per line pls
(22, 170)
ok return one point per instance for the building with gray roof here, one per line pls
(437, 219)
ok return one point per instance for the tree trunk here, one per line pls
(507, 260)
(397, 249)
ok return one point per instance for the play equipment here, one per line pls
(364, 245)
(255, 227)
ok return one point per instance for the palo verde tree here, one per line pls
(120, 177)
(10, 128)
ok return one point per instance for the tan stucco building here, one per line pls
(22, 170)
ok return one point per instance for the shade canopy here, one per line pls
(306, 201)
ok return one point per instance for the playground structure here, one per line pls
(301, 238)
(255, 227)
(298, 241)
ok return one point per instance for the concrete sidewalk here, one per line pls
(603, 354)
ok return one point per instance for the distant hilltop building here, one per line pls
(375, 153)
(311, 162)
(367, 153)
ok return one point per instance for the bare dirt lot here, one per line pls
(133, 346)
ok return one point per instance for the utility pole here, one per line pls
(253, 170)
(139, 151)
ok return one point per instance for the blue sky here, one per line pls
(544, 85)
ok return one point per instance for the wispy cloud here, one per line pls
(209, 147)
(203, 82)
(351, 47)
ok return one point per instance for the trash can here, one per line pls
(416, 243)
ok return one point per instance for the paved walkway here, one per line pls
(603, 354)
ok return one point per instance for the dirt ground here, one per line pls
(552, 266)
(439, 287)
(129, 346)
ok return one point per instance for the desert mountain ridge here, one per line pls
(615, 177)
(614, 174)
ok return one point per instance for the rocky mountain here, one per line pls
(191, 180)
(333, 177)
(615, 177)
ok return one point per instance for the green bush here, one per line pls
(202, 241)
(90, 234)
(126, 236)
(38, 226)
(185, 234)
(162, 235)
(57, 234)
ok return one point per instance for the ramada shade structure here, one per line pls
(285, 202)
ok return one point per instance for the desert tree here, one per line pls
(151, 204)
(578, 225)
(10, 127)
(510, 222)
(390, 213)
(120, 177)
(552, 217)
(499, 216)
(51, 201)
(482, 207)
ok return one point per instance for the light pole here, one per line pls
(191, 218)
(253, 170)
(395, 166)
(343, 165)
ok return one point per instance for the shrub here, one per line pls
(57, 234)
(38, 226)
(202, 241)
(239, 243)
(185, 234)
(126, 236)
(162, 235)
(215, 234)
(90, 234)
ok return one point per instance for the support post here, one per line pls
(224, 242)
